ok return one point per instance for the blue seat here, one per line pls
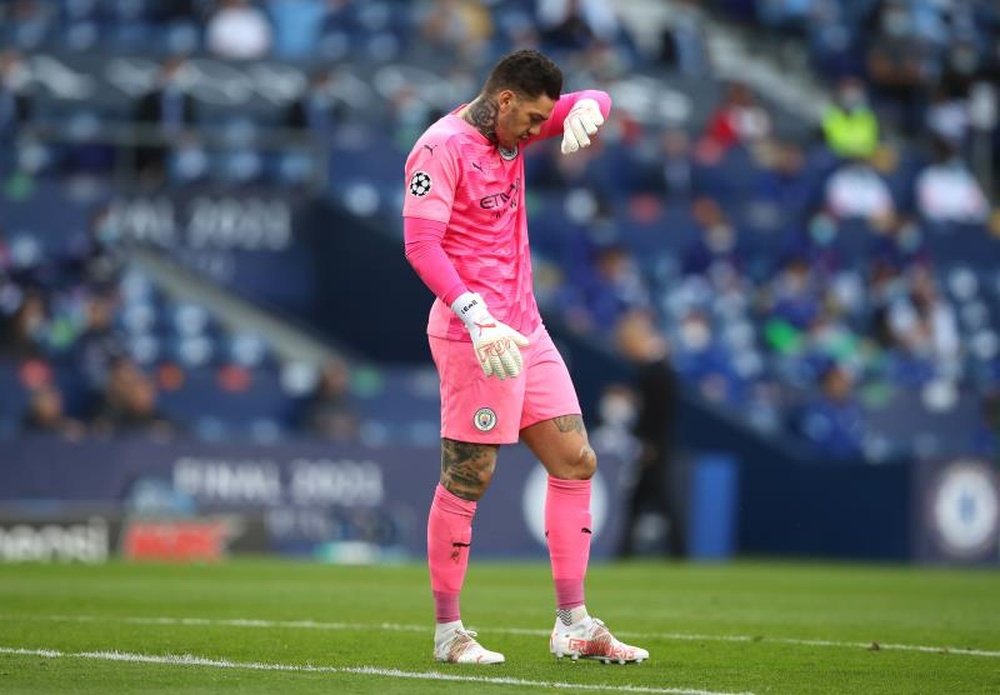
(202, 396)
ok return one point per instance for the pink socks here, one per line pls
(449, 534)
(567, 527)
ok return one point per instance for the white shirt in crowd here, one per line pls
(239, 32)
(948, 192)
(857, 191)
(934, 336)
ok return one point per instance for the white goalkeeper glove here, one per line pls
(581, 122)
(497, 345)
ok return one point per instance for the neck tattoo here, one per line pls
(482, 115)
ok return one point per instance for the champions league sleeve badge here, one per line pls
(420, 184)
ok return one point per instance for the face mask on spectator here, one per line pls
(721, 238)
(695, 334)
(822, 230)
(897, 23)
(107, 231)
(909, 237)
(617, 411)
(852, 98)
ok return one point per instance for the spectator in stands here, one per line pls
(576, 24)
(520, 32)
(328, 412)
(830, 336)
(831, 41)
(15, 107)
(898, 65)
(22, 332)
(832, 421)
(717, 241)
(702, 359)
(885, 285)
(318, 110)
(900, 243)
(639, 341)
(616, 411)
(947, 117)
(573, 174)
(785, 181)
(163, 115)
(676, 164)
(738, 120)
(795, 294)
(946, 190)
(856, 191)
(342, 20)
(410, 113)
(603, 62)
(850, 127)
(297, 25)
(617, 287)
(103, 256)
(97, 348)
(45, 415)
(816, 244)
(924, 324)
(962, 66)
(461, 28)
(238, 31)
(683, 47)
(29, 22)
(129, 404)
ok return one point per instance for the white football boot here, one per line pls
(589, 638)
(456, 645)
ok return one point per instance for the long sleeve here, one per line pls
(422, 239)
(554, 126)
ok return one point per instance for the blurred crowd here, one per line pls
(796, 280)
(89, 347)
(799, 282)
(305, 29)
(922, 59)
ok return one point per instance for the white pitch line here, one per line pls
(398, 627)
(192, 660)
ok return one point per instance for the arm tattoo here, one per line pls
(482, 113)
(466, 469)
(569, 423)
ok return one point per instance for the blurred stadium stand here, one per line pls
(829, 305)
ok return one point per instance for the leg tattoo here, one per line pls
(569, 423)
(466, 469)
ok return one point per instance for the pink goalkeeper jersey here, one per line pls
(456, 176)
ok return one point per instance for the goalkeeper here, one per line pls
(502, 378)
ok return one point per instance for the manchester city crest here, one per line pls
(485, 419)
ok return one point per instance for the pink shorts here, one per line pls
(486, 410)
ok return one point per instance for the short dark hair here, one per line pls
(527, 72)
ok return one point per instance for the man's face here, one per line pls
(520, 117)
(838, 385)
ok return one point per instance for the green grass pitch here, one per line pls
(279, 626)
